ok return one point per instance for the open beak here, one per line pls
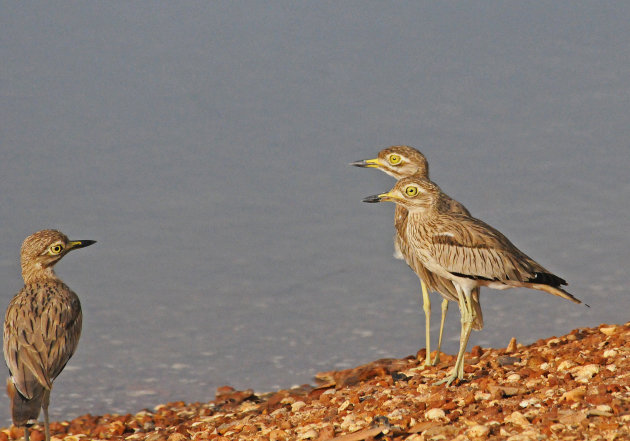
(367, 163)
(76, 244)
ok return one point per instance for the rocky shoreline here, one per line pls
(572, 387)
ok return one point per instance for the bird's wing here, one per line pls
(467, 247)
(40, 335)
(454, 206)
(66, 334)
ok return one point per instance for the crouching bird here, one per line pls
(42, 327)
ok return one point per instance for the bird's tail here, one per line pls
(556, 291)
(24, 411)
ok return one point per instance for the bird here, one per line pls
(466, 251)
(42, 327)
(400, 161)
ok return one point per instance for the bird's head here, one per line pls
(398, 161)
(42, 250)
(413, 193)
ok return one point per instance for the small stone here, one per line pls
(595, 412)
(476, 351)
(557, 427)
(278, 412)
(297, 406)
(512, 346)
(513, 378)
(610, 353)
(277, 435)
(576, 394)
(351, 424)
(584, 373)
(609, 330)
(505, 390)
(518, 419)
(156, 436)
(344, 405)
(604, 408)
(309, 434)
(528, 435)
(526, 403)
(175, 437)
(397, 414)
(573, 418)
(399, 376)
(478, 431)
(116, 428)
(565, 365)
(326, 432)
(482, 396)
(506, 360)
(440, 432)
(435, 414)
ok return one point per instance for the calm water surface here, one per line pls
(205, 147)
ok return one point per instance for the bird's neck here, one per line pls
(38, 273)
(421, 212)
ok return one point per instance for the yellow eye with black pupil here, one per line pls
(56, 249)
(394, 159)
(411, 191)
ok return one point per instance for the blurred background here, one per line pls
(205, 146)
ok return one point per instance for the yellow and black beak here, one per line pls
(76, 244)
(368, 163)
(380, 198)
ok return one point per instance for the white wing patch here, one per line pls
(445, 233)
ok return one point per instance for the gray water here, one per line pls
(205, 145)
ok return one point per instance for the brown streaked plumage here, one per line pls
(41, 328)
(466, 251)
(402, 161)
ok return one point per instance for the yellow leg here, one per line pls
(45, 402)
(467, 317)
(426, 305)
(459, 364)
(436, 360)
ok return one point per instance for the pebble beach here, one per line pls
(572, 387)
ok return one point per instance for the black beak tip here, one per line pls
(372, 199)
(361, 163)
(87, 243)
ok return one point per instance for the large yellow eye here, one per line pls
(394, 159)
(56, 248)
(411, 191)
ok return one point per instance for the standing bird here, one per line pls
(41, 328)
(466, 251)
(402, 161)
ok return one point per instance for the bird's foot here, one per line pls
(423, 353)
(449, 379)
(436, 360)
